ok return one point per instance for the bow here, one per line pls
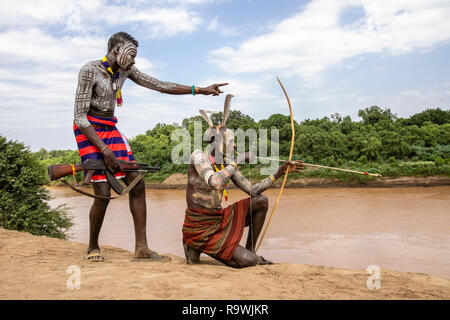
(287, 171)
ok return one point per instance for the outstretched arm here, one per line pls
(149, 82)
(252, 190)
(256, 189)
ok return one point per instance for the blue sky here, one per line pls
(332, 56)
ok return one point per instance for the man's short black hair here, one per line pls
(121, 37)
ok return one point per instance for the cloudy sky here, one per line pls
(332, 56)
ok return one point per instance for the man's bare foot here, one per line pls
(192, 255)
(261, 261)
(149, 255)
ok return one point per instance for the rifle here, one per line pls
(91, 165)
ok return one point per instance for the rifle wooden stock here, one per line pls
(58, 171)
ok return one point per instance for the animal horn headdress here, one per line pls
(226, 112)
(226, 109)
(205, 116)
(226, 135)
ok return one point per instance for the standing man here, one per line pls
(98, 91)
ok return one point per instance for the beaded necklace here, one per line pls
(213, 161)
(115, 77)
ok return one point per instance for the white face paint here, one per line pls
(223, 144)
(127, 54)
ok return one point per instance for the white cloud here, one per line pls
(45, 44)
(313, 40)
(154, 21)
(36, 12)
(213, 25)
(224, 31)
(258, 97)
(321, 102)
(144, 18)
(38, 75)
(33, 45)
(409, 102)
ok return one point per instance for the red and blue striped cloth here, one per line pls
(111, 136)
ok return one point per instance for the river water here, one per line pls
(404, 229)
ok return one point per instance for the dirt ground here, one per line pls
(33, 267)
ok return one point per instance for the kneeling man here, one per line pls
(208, 227)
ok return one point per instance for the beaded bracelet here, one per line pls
(193, 89)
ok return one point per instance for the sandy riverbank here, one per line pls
(34, 267)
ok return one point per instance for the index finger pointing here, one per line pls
(221, 84)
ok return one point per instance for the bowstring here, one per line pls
(251, 209)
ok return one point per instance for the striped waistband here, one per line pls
(110, 122)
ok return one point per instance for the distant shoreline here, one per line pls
(178, 181)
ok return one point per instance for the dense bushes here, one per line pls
(23, 198)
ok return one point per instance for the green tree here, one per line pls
(436, 116)
(336, 117)
(235, 121)
(381, 142)
(23, 198)
(374, 114)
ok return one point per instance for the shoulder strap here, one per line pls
(124, 192)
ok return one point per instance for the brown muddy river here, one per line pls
(404, 229)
